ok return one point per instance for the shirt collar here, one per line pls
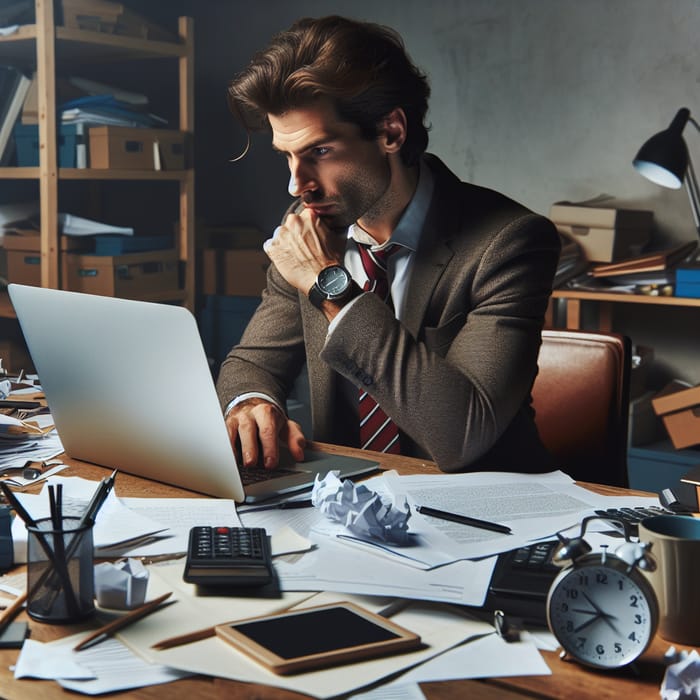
(408, 231)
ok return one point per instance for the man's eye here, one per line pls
(320, 151)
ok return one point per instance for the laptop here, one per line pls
(129, 387)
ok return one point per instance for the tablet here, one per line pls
(316, 637)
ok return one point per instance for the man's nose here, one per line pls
(300, 180)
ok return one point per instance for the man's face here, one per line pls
(338, 174)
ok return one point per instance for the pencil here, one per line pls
(184, 638)
(11, 611)
(122, 622)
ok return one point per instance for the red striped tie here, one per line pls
(377, 431)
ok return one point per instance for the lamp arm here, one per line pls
(691, 185)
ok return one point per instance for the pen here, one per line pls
(285, 505)
(123, 621)
(463, 519)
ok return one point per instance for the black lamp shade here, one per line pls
(663, 159)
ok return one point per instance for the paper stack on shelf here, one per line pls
(107, 110)
(76, 226)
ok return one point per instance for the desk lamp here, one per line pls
(664, 159)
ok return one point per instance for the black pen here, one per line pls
(463, 519)
(285, 505)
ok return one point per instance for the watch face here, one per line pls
(602, 614)
(333, 281)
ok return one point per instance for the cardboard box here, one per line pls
(128, 276)
(679, 408)
(67, 141)
(117, 244)
(605, 234)
(110, 18)
(122, 148)
(238, 272)
(657, 466)
(24, 256)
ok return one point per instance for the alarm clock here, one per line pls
(600, 607)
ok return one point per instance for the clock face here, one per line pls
(333, 280)
(602, 614)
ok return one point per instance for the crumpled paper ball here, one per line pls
(121, 585)
(362, 511)
(682, 679)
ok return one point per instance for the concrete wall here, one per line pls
(542, 99)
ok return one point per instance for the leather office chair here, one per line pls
(581, 402)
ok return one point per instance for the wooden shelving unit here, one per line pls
(606, 301)
(42, 47)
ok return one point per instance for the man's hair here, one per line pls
(363, 68)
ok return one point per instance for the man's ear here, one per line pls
(392, 130)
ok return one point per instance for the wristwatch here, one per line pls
(332, 284)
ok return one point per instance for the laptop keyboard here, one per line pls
(254, 475)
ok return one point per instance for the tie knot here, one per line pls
(375, 265)
(375, 261)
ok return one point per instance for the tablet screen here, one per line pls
(314, 632)
(324, 635)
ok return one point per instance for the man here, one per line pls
(451, 355)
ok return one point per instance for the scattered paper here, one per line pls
(115, 523)
(403, 691)
(682, 678)
(487, 657)
(362, 511)
(121, 585)
(102, 668)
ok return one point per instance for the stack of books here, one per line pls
(14, 85)
(652, 268)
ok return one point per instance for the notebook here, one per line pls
(129, 387)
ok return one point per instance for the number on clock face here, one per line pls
(601, 615)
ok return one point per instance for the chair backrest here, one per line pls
(581, 402)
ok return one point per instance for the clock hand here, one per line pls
(587, 623)
(587, 612)
(607, 617)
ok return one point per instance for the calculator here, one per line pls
(228, 556)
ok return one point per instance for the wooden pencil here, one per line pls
(184, 638)
(122, 622)
(11, 611)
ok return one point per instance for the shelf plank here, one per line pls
(624, 298)
(14, 173)
(76, 44)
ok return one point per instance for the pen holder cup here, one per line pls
(60, 571)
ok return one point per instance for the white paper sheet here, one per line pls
(487, 657)
(334, 566)
(102, 668)
(439, 627)
(114, 522)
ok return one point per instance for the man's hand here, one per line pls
(255, 424)
(302, 247)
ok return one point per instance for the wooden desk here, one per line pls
(568, 680)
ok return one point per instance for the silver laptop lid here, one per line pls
(129, 387)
